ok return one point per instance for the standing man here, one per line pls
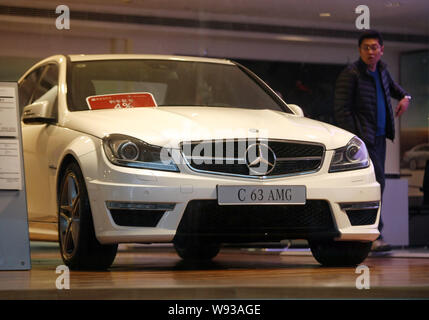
(362, 105)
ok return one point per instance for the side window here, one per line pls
(48, 81)
(27, 86)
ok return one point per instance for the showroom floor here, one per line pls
(156, 272)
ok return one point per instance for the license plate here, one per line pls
(261, 195)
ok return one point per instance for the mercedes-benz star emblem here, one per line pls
(260, 159)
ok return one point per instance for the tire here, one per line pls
(340, 253)
(413, 164)
(79, 246)
(192, 249)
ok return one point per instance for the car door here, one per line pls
(40, 176)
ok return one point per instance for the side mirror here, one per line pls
(43, 110)
(296, 109)
(38, 113)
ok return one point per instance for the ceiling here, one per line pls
(404, 16)
(404, 20)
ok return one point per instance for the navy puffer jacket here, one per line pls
(355, 106)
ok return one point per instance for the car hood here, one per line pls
(168, 126)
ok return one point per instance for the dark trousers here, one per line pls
(377, 153)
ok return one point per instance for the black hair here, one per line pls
(371, 34)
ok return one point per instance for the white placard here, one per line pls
(8, 113)
(10, 165)
(14, 236)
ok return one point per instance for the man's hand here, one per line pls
(402, 107)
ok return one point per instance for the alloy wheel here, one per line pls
(69, 223)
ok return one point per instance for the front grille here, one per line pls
(362, 217)
(229, 157)
(258, 222)
(136, 218)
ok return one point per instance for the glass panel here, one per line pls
(415, 122)
(48, 81)
(173, 83)
(27, 86)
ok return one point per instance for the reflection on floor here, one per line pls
(156, 272)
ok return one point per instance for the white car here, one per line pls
(417, 156)
(184, 150)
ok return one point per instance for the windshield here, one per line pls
(172, 83)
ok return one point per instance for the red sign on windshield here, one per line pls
(121, 101)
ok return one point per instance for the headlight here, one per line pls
(127, 151)
(353, 156)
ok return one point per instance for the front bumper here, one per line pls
(180, 191)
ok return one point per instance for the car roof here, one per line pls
(95, 57)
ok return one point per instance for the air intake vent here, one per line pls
(136, 218)
(237, 223)
(361, 213)
(362, 217)
(137, 214)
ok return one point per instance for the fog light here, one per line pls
(360, 205)
(140, 206)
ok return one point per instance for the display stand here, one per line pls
(395, 212)
(14, 238)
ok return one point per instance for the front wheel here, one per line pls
(413, 164)
(79, 246)
(192, 249)
(340, 253)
